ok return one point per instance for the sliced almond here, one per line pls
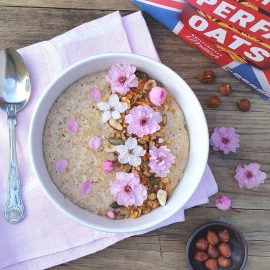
(115, 125)
(161, 140)
(162, 197)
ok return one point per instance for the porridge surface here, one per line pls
(85, 163)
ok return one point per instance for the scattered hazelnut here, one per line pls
(225, 249)
(224, 236)
(224, 262)
(213, 102)
(243, 105)
(212, 252)
(225, 89)
(200, 256)
(201, 244)
(211, 264)
(206, 76)
(212, 238)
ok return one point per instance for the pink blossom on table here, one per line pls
(107, 166)
(95, 94)
(94, 142)
(72, 125)
(225, 139)
(61, 165)
(250, 175)
(223, 203)
(127, 189)
(157, 95)
(122, 78)
(143, 120)
(161, 160)
(111, 214)
(86, 187)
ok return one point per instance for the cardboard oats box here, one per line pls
(235, 34)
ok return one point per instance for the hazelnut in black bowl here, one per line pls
(216, 246)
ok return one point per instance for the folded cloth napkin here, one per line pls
(46, 237)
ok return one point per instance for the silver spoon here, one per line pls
(15, 91)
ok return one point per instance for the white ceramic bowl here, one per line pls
(197, 127)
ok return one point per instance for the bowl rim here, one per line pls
(34, 121)
(203, 226)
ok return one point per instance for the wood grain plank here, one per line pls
(75, 4)
(164, 248)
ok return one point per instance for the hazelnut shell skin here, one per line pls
(224, 236)
(243, 105)
(225, 249)
(213, 102)
(211, 264)
(206, 76)
(200, 256)
(225, 89)
(212, 238)
(201, 244)
(213, 252)
(224, 262)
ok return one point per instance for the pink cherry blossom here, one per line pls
(61, 165)
(161, 160)
(157, 95)
(127, 189)
(225, 139)
(143, 120)
(86, 187)
(111, 214)
(122, 78)
(223, 203)
(72, 125)
(95, 94)
(107, 166)
(94, 142)
(250, 175)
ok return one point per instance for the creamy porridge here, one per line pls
(115, 143)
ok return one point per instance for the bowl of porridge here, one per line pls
(119, 142)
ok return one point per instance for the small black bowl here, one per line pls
(237, 243)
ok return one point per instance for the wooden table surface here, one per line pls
(25, 22)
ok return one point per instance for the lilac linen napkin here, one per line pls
(46, 237)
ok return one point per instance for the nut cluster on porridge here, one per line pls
(139, 150)
(136, 113)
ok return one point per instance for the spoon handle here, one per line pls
(14, 210)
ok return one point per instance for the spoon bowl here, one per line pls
(14, 80)
(15, 90)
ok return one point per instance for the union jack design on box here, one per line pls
(235, 34)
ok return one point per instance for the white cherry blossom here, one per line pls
(130, 152)
(112, 109)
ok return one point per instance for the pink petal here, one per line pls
(61, 165)
(86, 187)
(72, 125)
(107, 166)
(223, 203)
(111, 214)
(95, 94)
(94, 142)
